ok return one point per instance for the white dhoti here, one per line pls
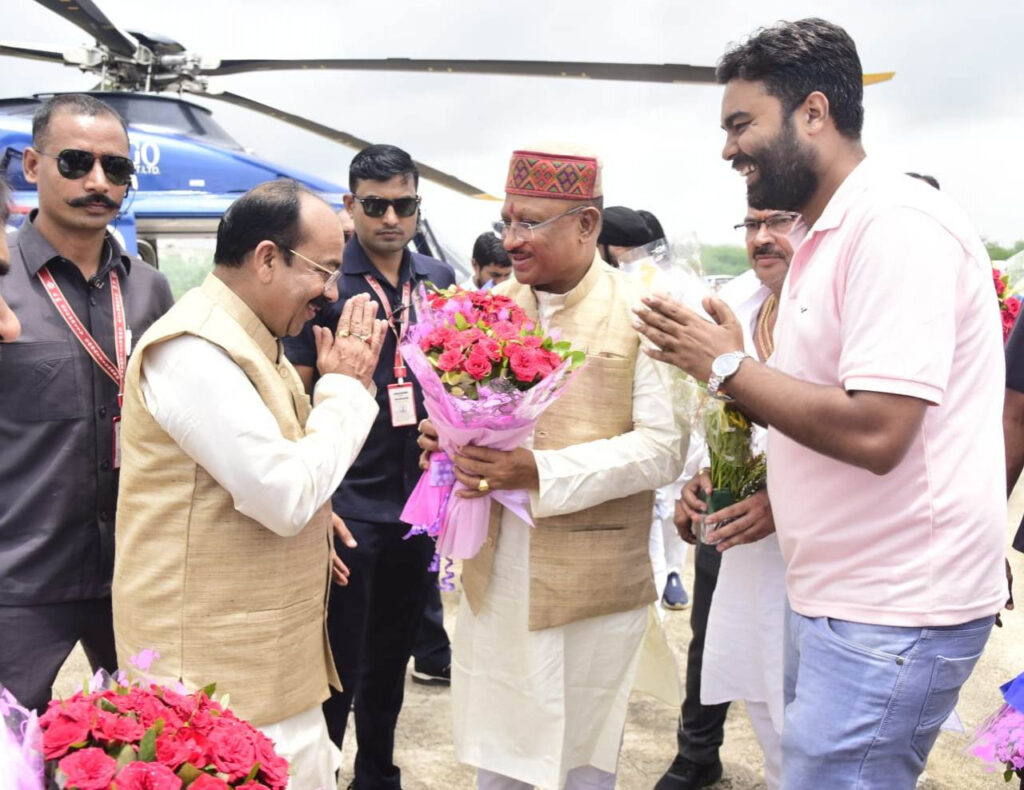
(743, 649)
(533, 705)
(303, 741)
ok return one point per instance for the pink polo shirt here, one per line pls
(891, 291)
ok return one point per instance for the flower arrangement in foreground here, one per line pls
(736, 471)
(487, 373)
(1000, 739)
(117, 735)
(1009, 305)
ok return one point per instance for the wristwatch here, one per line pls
(724, 366)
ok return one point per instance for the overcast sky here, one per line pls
(955, 108)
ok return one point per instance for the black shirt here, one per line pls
(58, 487)
(385, 472)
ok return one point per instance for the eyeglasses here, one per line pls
(776, 223)
(331, 276)
(523, 231)
(377, 207)
(73, 163)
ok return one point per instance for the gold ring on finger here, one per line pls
(343, 333)
(483, 486)
(365, 338)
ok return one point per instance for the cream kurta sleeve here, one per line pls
(651, 455)
(234, 437)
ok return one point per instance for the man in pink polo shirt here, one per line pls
(883, 402)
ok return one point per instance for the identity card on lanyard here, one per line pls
(92, 348)
(401, 395)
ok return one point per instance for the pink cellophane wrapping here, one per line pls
(21, 745)
(501, 420)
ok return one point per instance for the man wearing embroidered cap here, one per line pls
(548, 637)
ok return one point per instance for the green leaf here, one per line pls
(188, 773)
(147, 746)
(209, 689)
(460, 322)
(125, 756)
(1007, 774)
(108, 706)
(252, 773)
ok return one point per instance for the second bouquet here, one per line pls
(487, 373)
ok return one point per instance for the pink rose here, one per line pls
(249, 786)
(273, 767)
(88, 769)
(490, 347)
(504, 330)
(147, 776)
(533, 341)
(524, 365)
(232, 750)
(478, 365)
(450, 360)
(173, 751)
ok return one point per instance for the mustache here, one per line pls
(320, 303)
(768, 249)
(740, 161)
(88, 200)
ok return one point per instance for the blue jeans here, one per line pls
(864, 703)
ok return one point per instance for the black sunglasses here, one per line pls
(377, 207)
(73, 163)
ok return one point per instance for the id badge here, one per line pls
(116, 454)
(403, 405)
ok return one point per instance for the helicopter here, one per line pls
(189, 168)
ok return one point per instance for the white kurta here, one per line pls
(743, 647)
(532, 705)
(274, 481)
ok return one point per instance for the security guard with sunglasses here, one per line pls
(374, 621)
(81, 299)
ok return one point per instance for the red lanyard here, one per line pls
(92, 348)
(400, 371)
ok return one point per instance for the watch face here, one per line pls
(725, 365)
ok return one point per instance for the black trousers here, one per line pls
(433, 650)
(701, 727)
(372, 624)
(38, 639)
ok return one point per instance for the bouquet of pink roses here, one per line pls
(1000, 739)
(487, 373)
(117, 735)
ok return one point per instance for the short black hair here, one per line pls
(794, 59)
(381, 163)
(271, 211)
(489, 251)
(74, 103)
(926, 178)
(657, 232)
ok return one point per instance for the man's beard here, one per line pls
(785, 178)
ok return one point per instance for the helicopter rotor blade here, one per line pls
(338, 136)
(640, 72)
(23, 50)
(87, 15)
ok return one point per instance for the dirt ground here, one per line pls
(423, 747)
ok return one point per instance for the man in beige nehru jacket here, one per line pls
(223, 557)
(548, 637)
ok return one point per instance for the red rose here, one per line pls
(207, 782)
(450, 360)
(111, 727)
(173, 751)
(248, 786)
(273, 767)
(490, 347)
(478, 365)
(998, 281)
(524, 365)
(88, 769)
(533, 341)
(147, 776)
(232, 750)
(65, 729)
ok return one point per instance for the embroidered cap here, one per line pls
(559, 176)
